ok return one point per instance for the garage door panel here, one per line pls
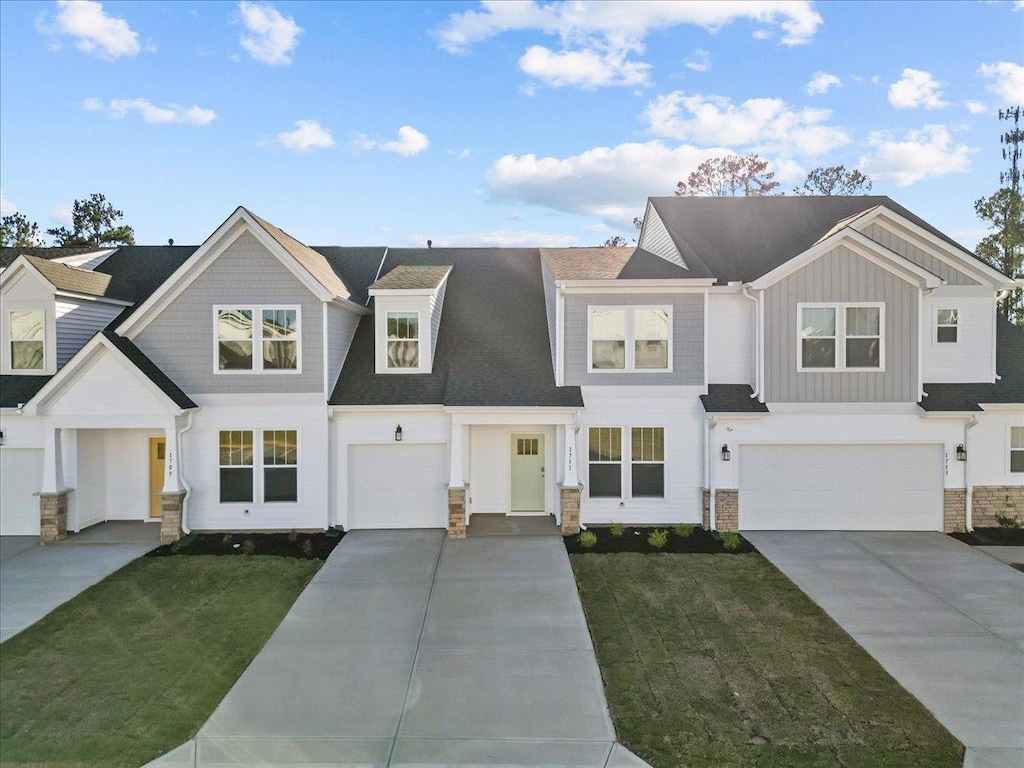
(21, 477)
(841, 487)
(398, 486)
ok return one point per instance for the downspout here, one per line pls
(970, 424)
(576, 445)
(181, 476)
(757, 342)
(712, 422)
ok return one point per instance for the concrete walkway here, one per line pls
(36, 579)
(944, 619)
(408, 648)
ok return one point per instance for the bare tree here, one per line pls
(834, 180)
(730, 176)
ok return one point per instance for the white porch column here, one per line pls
(457, 517)
(53, 462)
(456, 457)
(569, 458)
(172, 474)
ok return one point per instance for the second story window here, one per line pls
(947, 323)
(840, 337)
(260, 339)
(403, 339)
(28, 334)
(630, 339)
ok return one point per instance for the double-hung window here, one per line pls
(236, 466)
(1017, 449)
(605, 463)
(239, 456)
(257, 339)
(403, 339)
(647, 459)
(280, 465)
(947, 324)
(630, 338)
(840, 337)
(28, 339)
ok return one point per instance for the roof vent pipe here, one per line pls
(430, 243)
(170, 241)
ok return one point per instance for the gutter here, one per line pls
(970, 424)
(181, 476)
(712, 422)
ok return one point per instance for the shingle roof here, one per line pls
(731, 398)
(9, 253)
(72, 279)
(492, 348)
(743, 238)
(309, 259)
(612, 264)
(148, 368)
(406, 277)
(16, 390)
(1009, 388)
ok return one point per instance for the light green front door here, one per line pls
(528, 474)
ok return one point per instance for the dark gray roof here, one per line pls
(72, 279)
(9, 253)
(148, 368)
(15, 390)
(136, 271)
(1009, 388)
(357, 266)
(492, 348)
(309, 259)
(731, 398)
(613, 264)
(743, 238)
(405, 277)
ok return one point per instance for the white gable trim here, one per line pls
(79, 365)
(233, 227)
(88, 261)
(21, 263)
(861, 245)
(655, 238)
(957, 258)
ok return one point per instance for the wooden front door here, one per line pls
(157, 454)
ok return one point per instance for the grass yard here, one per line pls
(712, 660)
(133, 666)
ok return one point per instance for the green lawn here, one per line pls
(719, 660)
(134, 665)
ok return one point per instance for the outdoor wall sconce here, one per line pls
(398, 433)
(961, 453)
(726, 456)
(1, 437)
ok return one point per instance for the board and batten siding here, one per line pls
(841, 276)
(341, 327)
(79, 321)
(550, 304)
(180, 340)
(436, 307)
(905, 248)
(687, 339)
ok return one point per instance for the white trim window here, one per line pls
(1017, 449)
(28, 339)
(647, 463)
(947, 326)
(841, 337)
(403, 339)
(605, 467)
(280, 465)
(278, 339)
(236, 466)
(629, 339)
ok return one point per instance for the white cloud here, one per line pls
(460, 154)
(768, 125)
(916, 88)
(699, 60)
(821, 83)
(608, 182)
(172, 113)
(971, 237)
(921, 154)
(585, 68)
(1005, 80)
(308, 134)
(269, 37)
(7, 208)
(976, 107)
(62, 214)
(410, 142)
(499, 238)
(95, 33)
(1018, 5)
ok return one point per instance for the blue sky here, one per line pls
(488, 124)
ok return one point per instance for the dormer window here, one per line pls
(403, 339)
(257, 339)
(28, 339)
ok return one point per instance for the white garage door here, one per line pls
(398, 486)
(841, 487)
(21, 476)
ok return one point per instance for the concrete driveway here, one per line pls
(945, 620)
(408, 648)
(36, 579)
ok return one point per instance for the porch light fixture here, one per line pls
(1, 437)
(961, 453)
(398, 433)
(726, 456)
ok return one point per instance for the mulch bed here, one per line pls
(634, 539)
(309, 546)
(992, 537)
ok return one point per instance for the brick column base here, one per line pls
(727, 509)
(954, 510)
(53, 517)
(170, 516)
(456, 513)
(991, 501)
(570, 498)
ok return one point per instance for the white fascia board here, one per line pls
(384, 408)
(350, 305)
(643, 227)
(947, 414)
(861, 245)
(524, 416)
(1003, 407)
(937, 247)
(97, 299)
(675, 285)
(402, 291)
(737, 415)
(21, 262)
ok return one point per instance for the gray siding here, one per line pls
(180, 339)
(687, 339)
(436, 307)
(657, 240)
(911, 252)
(341, 326)
(841, 276)
(77, 322)
(550, 304)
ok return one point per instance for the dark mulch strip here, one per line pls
(310, 546)
(698, 541)
(992, 537)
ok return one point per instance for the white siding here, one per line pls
(657, 240)
(22, 477)
(107, 387)
(127, 479)
(989, 448)
(550, 308)
(90, 479)
(25, 291)
(77, 322)
(970, 358)
(341, 327)
(490, 464)
(730, 339)
(436, 306)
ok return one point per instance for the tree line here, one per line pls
(94, 222)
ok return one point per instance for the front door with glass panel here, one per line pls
(527, 475)
(157, 462)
